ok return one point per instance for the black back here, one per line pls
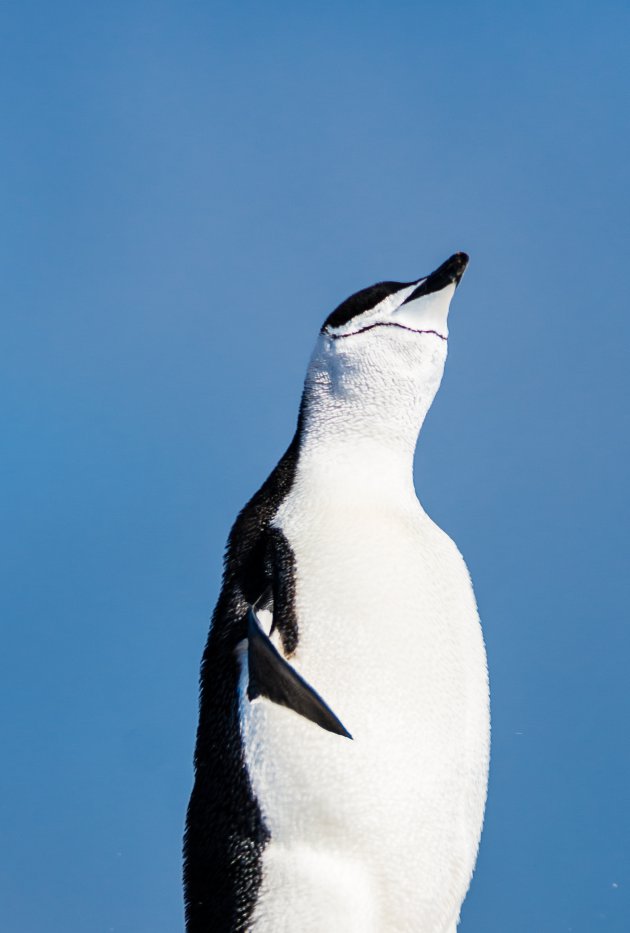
(225, 832)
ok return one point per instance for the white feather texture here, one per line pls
(378, 834)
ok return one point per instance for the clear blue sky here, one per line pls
(187, 189)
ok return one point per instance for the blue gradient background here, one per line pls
(187, 189)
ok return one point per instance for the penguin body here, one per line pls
(342, 764)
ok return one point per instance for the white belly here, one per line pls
(379, 833)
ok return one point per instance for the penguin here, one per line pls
(343, 741)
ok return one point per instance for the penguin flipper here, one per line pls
(272, 677)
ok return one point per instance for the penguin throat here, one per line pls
(361, 448)
(364, 404)
(357, 467)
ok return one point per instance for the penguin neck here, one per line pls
(357, 449)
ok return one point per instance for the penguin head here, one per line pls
(380, 355)
(421, 306)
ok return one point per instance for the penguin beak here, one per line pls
(449, 273)
(426, 308)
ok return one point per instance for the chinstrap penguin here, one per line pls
(343, 741)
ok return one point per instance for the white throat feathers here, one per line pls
(374, 374)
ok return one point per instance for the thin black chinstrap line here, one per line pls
(385, 324)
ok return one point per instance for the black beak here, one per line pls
(448, 273)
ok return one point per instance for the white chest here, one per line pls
(389, 636)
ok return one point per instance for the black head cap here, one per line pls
(362, 301)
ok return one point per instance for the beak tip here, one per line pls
(457, 265)
(449, 273)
